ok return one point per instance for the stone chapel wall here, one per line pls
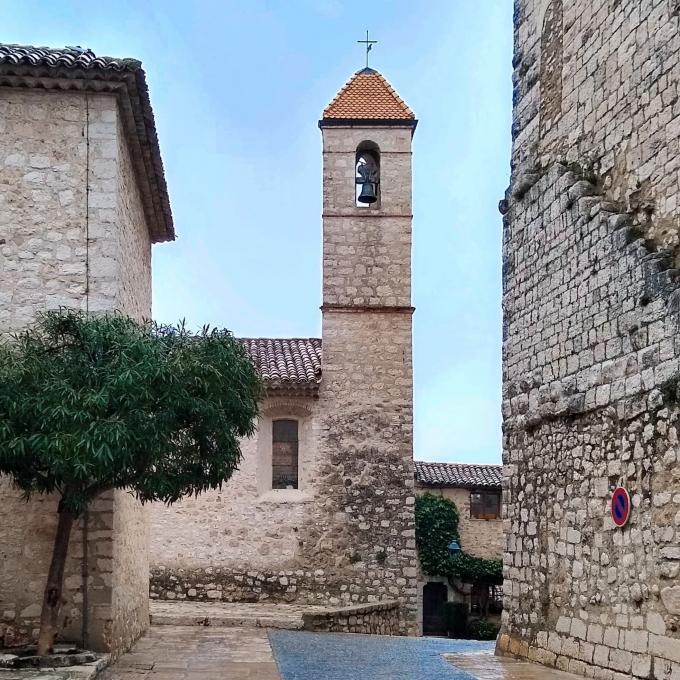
(64, 245)
(590, 350)
(247, 541)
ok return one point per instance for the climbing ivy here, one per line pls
(436, 526)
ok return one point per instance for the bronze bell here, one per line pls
(367, 194)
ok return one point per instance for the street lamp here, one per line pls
(454, 547)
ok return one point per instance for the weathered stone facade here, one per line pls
(480, 537)
(346, 536)
(73, 233)
(591, 355)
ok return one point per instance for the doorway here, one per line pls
(435, 596)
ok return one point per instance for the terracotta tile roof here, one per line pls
(74, 68)
(286, 362)
(368, 96)
(459, 475)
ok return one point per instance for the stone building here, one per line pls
(82, 199)
(322, 509)
(590, 344)
(476, 492)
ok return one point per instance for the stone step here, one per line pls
(225, 615)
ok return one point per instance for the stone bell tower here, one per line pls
(367, 387)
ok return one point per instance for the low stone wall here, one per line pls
(216, 584)
(378, 618)
(226, 585)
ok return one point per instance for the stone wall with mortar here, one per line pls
(347, 535)
(481, 537)
(366, 395)
(590, 351)
(71, 234)
(381, 618)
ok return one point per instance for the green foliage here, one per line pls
(472, 569)
(483, 629)
(91, 403)
(436, 526)
(456, 619)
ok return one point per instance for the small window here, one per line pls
(285, 454)
(485, 505)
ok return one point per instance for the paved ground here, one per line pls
(206, 653)
(337, 656)
(197, 653)
(488, 667)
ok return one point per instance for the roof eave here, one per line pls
(291, 389)
(409, 123)
(451, 485)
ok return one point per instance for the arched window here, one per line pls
(367, 175)
(285, 454)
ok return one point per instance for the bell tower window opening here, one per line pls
(367, 176)
(285, 443)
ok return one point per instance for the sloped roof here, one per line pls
(461, 475)
(368, 96)
(74, 68)
(286, 363)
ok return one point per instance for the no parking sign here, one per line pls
(620, 506)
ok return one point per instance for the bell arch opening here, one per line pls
(367, 175)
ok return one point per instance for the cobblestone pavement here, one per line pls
(197, 653)
(489, 667)
(338, 656)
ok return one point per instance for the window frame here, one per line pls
(274, 442)
(482, 510)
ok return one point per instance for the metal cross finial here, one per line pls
(369, 46)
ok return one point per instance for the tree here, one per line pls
(94, 403)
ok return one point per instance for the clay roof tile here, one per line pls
(368, 96)
(461, 475)
(286, 362)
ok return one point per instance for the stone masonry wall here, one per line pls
(381, 618)
(130, 602)
(367, 436)
(366, 395)
(481, 537)
(63, 175)
(591, 356)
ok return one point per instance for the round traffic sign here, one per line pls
(620, 506)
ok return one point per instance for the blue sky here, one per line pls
(238, 88)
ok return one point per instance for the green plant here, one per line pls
(436, 526)
(456, 619)
(94, 403)
(483, 629)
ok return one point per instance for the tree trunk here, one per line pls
(49, 616)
